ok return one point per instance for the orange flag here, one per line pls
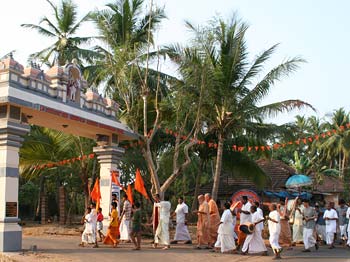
(115, 180)
(96, 193)
(139, 185)
(129, 194)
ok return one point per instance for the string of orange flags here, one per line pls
(65, 161)
(252, 148)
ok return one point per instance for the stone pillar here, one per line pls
(108, 158)
(11, 133)
(62, 205)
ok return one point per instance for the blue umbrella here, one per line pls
(297, 181)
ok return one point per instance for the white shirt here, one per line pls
(331, 225)
(348, 217)
(164, 209)
(298, 217)
(181, 211)
(243, 217)
(88, 224)
(274, 227)
(226, 227)
(93, 218)
(256, 217)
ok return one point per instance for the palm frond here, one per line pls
(262, 89)
(40, 29)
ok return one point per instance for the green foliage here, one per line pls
(63, 30)
(27, 198)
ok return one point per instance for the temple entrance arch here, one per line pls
(55, 99)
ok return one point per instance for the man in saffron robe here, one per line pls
(203, 226)
(214, 219)
(113, 229)
(286, 234)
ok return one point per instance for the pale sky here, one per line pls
(317, 30)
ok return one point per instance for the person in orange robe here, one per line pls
(113, 229)
(214, 219)
(203, 226)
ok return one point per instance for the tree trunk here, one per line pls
(86, 189)
(218, 166)
(179, 169)
(41, 191)
(58, 184)
(196, 188)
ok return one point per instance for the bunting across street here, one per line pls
(212, 144)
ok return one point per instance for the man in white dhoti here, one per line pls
(162, 232)
(274, 230)
(331, 217)
(342, 208)
(298, 223)
(244, 217)
(225, 241)
(94, 223)
(181, 233)
(254, 242)
(124, 227)
(348, 227)
(320, 222)
(86, 237)
(310, 217)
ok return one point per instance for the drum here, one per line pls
(247, 228)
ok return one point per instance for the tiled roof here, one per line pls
(330, 185)
(277, 173)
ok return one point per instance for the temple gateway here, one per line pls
(55, 99)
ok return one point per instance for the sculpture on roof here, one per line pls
(74, 80)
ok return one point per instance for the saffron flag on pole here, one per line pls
(96, 193)
(115, 180)
(129, 194)
(139, 184)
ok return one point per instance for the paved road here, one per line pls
(65, 248)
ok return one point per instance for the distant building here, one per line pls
(277, 173)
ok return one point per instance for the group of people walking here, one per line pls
(286, 226)
(126, 228)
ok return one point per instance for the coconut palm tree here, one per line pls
(237, 94)
(126, 32)
(336, 148)
(63, 30)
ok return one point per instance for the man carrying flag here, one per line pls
(95, 196)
